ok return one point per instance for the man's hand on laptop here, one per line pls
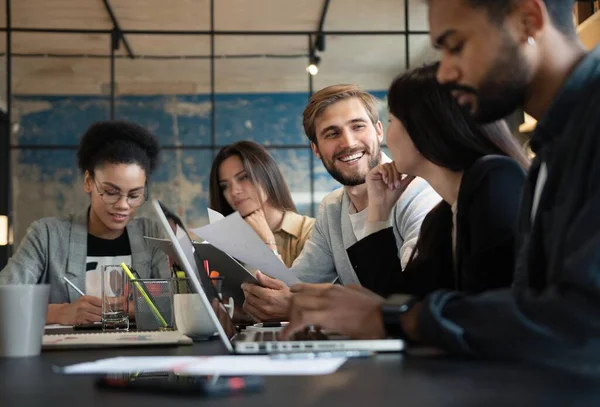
(269, 302)
(351, 310)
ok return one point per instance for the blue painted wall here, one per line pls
(47, 183)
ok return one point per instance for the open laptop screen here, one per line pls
(191, 263)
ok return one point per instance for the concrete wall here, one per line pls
(46, 181)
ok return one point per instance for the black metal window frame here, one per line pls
(117, 36)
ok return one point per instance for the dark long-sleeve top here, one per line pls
(551, 314)
(486, 222)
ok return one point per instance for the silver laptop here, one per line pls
(256, 341)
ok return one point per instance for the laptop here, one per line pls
(256, 341)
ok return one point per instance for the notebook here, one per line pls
(114, 339)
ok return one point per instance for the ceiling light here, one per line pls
(313, 67)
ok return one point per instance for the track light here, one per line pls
(313, 67)
(320, 42)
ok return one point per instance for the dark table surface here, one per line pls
(384, 380)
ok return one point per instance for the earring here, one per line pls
(531, 40)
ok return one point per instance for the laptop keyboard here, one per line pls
(271, 336)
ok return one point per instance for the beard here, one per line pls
(504, 87)
(502, 90)
(355, 179)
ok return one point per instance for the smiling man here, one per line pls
(342, 124)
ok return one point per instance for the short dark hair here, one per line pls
(262, 170)
(117, 142)
(560, 11)
(443, 131)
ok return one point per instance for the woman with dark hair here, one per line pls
(467, 241)
(245, 178)
(116, 159)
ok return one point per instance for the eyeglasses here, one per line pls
(134, 200)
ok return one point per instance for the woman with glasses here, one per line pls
(116, 159)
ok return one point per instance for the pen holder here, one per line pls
(153, 303)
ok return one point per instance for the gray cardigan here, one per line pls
(57, 247)
(324, 256)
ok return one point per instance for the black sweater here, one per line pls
(486, 223)
(551, 313)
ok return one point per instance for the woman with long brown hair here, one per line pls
(245, 178)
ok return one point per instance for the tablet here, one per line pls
(234, 273)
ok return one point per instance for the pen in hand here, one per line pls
(73, 286)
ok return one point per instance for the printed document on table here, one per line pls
(262, 365)
(235, 237)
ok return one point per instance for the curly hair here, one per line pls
(117, 142)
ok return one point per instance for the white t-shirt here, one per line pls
(360, 226)
(359, 222)
(93, 277)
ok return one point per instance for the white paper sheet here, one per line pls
(210, 365)
(236, 238)
(214, 216)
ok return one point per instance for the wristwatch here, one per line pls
(391, 310)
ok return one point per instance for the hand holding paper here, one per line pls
(235, 237)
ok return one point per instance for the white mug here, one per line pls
(192, 317)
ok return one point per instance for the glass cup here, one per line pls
(115, 301)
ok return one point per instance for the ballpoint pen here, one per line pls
(73, 286)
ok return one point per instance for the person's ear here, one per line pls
(530, 16)
(315, 150)
(87, 182)
(379, 129)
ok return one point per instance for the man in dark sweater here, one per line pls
(498, 55)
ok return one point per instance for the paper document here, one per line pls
(210, 365)
(235, 237)
(214, 216)
(166, 246)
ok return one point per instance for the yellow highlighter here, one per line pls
(181, 282)
(155, 310)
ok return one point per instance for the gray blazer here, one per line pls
(57, 247)
(324, 256)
